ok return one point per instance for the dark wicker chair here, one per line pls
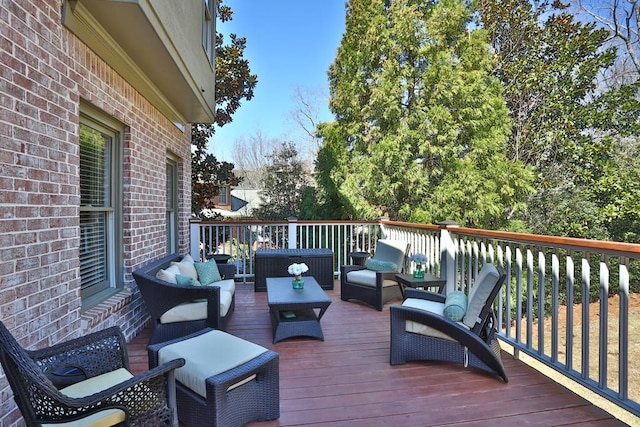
(160, 296)
(471, 342)
(227, 405)
(375, 288)
(146, 399)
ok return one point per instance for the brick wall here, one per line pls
(46, 72)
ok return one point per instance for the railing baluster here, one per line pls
(541, 300)
(529, 298)
(569, 307)
(586, 284)
(623, 331)
(604, 323)
(518, 315)
(506, 316)
(555, 274)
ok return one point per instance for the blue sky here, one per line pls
(290, 43)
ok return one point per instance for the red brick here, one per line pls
(46, 71)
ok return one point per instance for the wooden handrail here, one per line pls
(620, 248)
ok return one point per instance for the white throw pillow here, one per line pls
(186, 267)
(169, 274)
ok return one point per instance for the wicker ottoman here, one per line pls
(226, 381)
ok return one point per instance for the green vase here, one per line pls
(418, 273)
(297, 283)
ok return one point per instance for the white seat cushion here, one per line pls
(196, 310)
(225, 302)
(93, 385)
(367, 278)
(207, 355)
(228, 285)
(422, 329)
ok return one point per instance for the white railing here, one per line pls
(546, 276)
(241, 239)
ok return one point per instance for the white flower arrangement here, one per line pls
(419, 259)
(298, 269)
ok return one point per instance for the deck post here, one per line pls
(448, 254)
(194, 238)
(293, 232)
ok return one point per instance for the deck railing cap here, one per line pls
(447, 224)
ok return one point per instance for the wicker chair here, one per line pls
(375, 287)
(105, 391)
(421, 331)
(159, 297)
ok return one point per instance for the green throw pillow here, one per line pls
(207, 272)
(377, 265)
(455, 306)
(181, 279)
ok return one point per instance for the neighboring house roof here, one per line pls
(243, 202)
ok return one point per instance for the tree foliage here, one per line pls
(284, 183)
(421, 125)
(234, 82)
(565, 123)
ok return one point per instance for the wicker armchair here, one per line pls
(160, 297)
(375, 287)
(420, 329)
(105, 391)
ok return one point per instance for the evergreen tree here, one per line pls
(283, 185)
(421, 125)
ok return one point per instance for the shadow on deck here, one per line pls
(347, 379)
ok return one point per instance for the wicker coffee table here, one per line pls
(293, 312)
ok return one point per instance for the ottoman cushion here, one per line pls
(207, 355)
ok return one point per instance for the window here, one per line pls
(172, 206)
(223, 195)
(100, 218)
(209, 30)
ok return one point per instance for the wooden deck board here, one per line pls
(347, 379)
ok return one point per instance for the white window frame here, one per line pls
(223, 195)
(209, 29)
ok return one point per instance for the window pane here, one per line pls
(208, 30)
(95, 168)
(170, 186)
(223, 196)
(172, 207)
(93, 252)
(95, 209)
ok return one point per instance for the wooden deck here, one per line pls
(347, 379)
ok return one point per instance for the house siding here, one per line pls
(46, 72)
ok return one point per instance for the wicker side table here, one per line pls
(429, 281)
